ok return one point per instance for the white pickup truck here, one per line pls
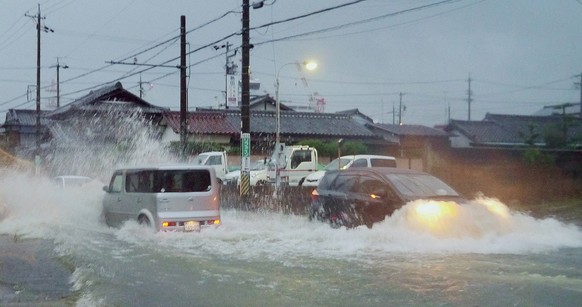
(216, 159)
(294, 164)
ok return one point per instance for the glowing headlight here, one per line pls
(429, 209)
(435, 210)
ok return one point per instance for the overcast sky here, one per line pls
(520, 54)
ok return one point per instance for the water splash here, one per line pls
(32, 205)
(90, 147)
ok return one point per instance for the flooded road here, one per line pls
(265, 258)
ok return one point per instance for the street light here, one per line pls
(309, 65)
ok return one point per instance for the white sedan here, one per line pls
(344, 162)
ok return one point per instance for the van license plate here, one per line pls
(191, 226)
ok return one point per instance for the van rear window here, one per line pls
(167, 181)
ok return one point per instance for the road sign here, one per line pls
(246, 152)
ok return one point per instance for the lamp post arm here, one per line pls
(278, 104)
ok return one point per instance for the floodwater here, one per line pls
(483, 255)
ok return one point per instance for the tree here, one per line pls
(330, 148)
(193, 148)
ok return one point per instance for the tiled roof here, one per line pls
(353, 112)
(24, 117)
(409, 130)
(309, 124)
(202, 122)
(484, 132)
(512, 129)
(256, 103)
(109, 97)
(521, 123)
(566, 108)
(292, 123)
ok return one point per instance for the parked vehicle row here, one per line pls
(289, 164)
(351, 191)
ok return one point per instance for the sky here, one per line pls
(373, 55)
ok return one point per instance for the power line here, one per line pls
(172, 39)
(108, 21)
(398, 24)
(203, 47)
(352, 23)
(309, 14)
(526, 87)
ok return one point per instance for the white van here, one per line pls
(168, 198)
(343, 162)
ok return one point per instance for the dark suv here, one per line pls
(364, 196)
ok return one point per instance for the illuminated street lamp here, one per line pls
(309, 65)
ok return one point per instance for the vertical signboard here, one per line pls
(246, 152)
(245, 174)
(232, 91)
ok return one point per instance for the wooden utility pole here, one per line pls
(38, 139)
(183, 89)
(469, 98)
(58, 66)
(400, 111)
(38, 132)
(245, 176)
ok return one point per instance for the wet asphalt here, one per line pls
(31, 274)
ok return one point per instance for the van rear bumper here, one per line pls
(205, 218)
(189, 215)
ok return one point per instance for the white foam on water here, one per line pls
(475, 228)
(34, 206)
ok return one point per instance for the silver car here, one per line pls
(168, 198)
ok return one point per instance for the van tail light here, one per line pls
(314, 195)
(168, 224)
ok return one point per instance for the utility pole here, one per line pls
(580, 86)
(183, 89)
(245, 111)
(226, 73)
(469, 99)
(447, 110)
(59, 66)
(400, 112)
(229, 72)
(140, 87)
(38, 136)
